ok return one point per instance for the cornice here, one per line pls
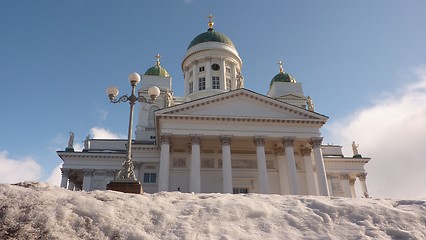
(242, 119)
(346, 160)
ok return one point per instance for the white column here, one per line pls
(261, 164)
(194, 77)
(195, 169)
(233, 77)
(344, 179)
(208, 70)
(163, 178)
(226, 164)
(65, 175)
(282, 169)
(309, 170)
(329, 184)
(362, 178)
(352, 186)
(288, 143)
(87, 179)
(222, 74)
(320, 168)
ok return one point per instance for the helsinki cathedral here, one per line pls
(220, 137)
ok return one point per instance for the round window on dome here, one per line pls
(215, 67)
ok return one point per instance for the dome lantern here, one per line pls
(157, 70)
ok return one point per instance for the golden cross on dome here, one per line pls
(281, 66)
(211, 23)
(158, 59)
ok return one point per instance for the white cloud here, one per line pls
(17, 170)
(55, 176)
(392, 132)
(102, 133)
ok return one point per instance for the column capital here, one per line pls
(288, 141)
(362, 176)
(279, 150)
(65, 171)
(315, 142)
(165, 138)
(305, 150)
(352, 181)
(88, 172)
(226, 140)
(259, 141)
(195, 139)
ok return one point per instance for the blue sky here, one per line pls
(57, 58)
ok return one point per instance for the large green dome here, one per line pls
(211, 36)
(157, 71)
(283, 77)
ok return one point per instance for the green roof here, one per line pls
(211, 36)
(283, 77)
(157, 71)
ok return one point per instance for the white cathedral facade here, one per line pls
(221, 137)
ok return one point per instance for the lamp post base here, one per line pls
(125, 186)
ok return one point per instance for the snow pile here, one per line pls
(36, 210)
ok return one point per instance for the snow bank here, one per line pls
(36, 210)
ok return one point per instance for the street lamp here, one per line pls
(126, 174)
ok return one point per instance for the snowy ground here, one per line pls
(40, 211)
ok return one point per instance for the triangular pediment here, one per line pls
(291, 96)
(241, 103)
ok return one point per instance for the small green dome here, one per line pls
(211, 36)
(157, 70)
(283, 77)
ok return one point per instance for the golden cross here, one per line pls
(158, 59)
(211, 23)
(281, 66)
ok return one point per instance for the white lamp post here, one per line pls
(127, 174)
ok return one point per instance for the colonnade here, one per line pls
(285, 158)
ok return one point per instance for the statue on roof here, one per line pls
(355, 148)
(71, 140)
(87, 142)
(310, 104)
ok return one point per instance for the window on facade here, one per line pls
(191, 87)
(228, 70)
(215, 83)
(201, 84)
(240, 190)
(201, 69)
(228, 84)
(150, 177)
(190, 73)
